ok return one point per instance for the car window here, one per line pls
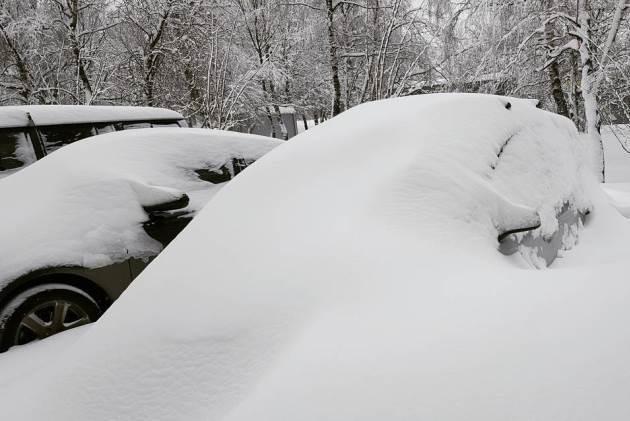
(104, 128)
(135, 125)
(55, 137)
(164, 124)
(239, 164)
(16, 150)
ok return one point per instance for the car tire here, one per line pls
(43, 311)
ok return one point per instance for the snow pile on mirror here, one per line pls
(353, 275)
(83, 204)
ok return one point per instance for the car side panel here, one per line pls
(108, 281)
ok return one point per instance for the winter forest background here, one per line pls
(228, 63)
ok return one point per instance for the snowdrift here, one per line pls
(353, 274)
(616, 140)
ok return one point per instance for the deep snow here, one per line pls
(617, 158)
(616, 140)
(352, 274)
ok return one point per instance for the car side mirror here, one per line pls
(504, 234)
(224, 173)
(178, 203)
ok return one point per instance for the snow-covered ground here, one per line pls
(300, 125)
(353, 274)
(21, 363)
(616, 140)
(617, 158)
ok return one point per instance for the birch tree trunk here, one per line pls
(592, 76)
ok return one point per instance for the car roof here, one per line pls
(46, 115)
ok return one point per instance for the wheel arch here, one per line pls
(35, 279)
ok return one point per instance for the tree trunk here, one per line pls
(554, 69)
(588, 85)
(149, 84)
(194, 94)
(284, 133)
(592, 76)
(334, 62)
(153, 56)
(23, 71)
(271, 122)
(574, 93)
(273, 113)
(76, 51)
(556, 90)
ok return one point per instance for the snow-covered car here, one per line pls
(354, 274)
(30, 132)
(81, 224)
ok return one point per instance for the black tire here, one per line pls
(43, 311)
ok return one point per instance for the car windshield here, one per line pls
(16, 150)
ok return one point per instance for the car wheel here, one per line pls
(44, 310)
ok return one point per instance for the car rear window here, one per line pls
(16, 150)
(55, 137)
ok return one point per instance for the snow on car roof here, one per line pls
(44, 115)
(352, 274)
(82, 204)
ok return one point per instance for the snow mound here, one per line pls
(353, 275)
(619, 194)
(83, 204)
